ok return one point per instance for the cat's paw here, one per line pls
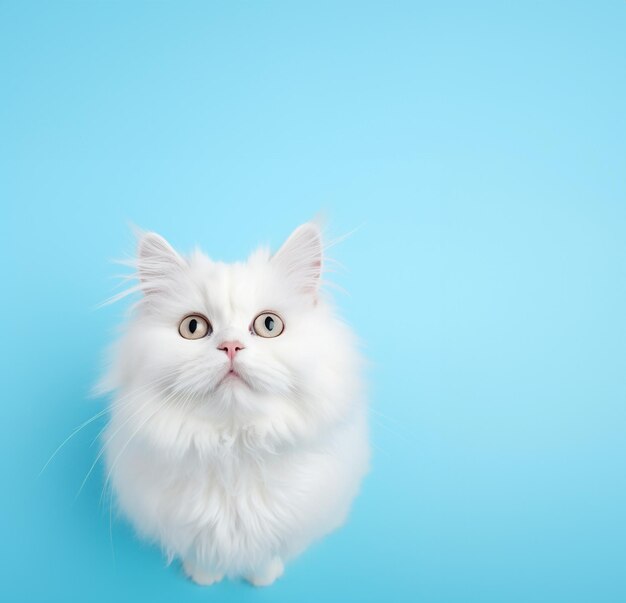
(200, 576)
(267, 574)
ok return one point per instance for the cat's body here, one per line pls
(234, 449)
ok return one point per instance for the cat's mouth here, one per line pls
(232, 376)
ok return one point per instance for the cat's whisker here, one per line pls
(389, 418)
(341, 238)
(165, 401)
(111, 523)
(390, 430)
(401, 434)
(332, 266)
(69, 437)
(119, 296)
(99, 435)
(119, 401)
(129, 400)
(132, 437)
(94, 418)
(109, 440)
(379, 449)
(336, 287)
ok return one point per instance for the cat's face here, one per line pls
(225, 334)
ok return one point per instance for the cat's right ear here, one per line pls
(157, 262)
(300, 258)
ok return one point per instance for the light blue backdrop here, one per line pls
(480, 149)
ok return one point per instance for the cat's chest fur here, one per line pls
(236, 498)
(238, 505)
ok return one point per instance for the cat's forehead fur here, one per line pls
(229, 293)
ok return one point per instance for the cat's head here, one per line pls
(247, 337)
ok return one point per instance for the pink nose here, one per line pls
(231, 348)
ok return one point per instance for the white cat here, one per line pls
(238, 428)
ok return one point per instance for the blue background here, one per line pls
(480, 150)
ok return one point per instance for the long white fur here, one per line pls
(236, 477)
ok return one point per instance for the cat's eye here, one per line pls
(194, 326)
(268, 324)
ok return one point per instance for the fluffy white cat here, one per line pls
(238, 430)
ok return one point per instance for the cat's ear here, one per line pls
(300, 258)
(157, 262)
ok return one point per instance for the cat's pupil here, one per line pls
(193, 325)
(269, 323)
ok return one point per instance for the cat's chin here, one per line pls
(233, 379)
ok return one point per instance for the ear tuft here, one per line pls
(301, 257)
(157, 262)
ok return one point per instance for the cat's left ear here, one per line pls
(300, 258)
